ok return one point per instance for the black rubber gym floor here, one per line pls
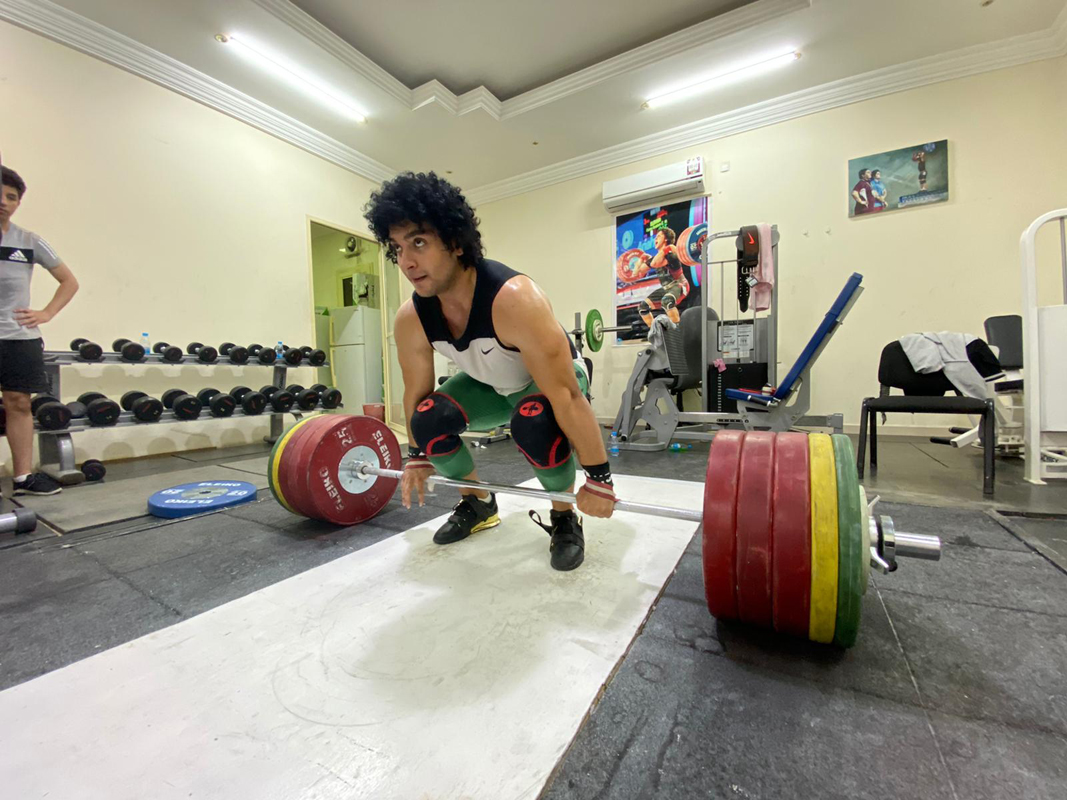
(955, 689)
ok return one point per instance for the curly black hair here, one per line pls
(427, 199)
(11, 178)
(668, 234)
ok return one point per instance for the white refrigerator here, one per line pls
(356, 355)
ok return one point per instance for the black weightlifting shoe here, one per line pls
(568, 541)
(469, 516)
(39, 484)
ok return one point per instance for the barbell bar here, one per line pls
(789, 538)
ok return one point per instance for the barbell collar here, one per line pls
(363, 468)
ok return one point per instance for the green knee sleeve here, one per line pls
(457, 465)
(558, 479)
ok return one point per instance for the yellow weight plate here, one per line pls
(276, 460)
(824, 538)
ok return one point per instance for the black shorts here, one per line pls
(22, 366)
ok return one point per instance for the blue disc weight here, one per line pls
(198, 498)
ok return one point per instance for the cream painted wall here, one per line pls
(328, 262)
(944, 267)
(176, 219)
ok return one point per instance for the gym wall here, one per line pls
(943, 267)
(176, 219)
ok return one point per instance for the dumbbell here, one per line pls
(170, 352)
(251, 402)
(220, 405)
(292, 356)
(77, 410)
(50, 414)
(184, 405)
(330, 398)
(281, 400)
(100, 410)
(234, 352)
(130, 351)
(86, 350)
(268, 390)
(264, 355)
(315, 358)
(144, 408)
(205, 353)
(306, 399)
(93, 470)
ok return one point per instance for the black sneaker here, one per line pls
(568, 541)
(39, 484)
(469, 516)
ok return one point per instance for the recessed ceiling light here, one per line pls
(272, 63)
(986, 3)
(731, 74)
(536, 143)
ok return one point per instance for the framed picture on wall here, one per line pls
(657, 262)
(904, 178)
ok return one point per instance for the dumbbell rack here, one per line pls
(57, 447)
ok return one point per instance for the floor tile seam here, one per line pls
(1023, 537)
(127, 581)
(957, 601)
(919, 695)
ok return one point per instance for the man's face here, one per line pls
(9, 202)
(661, 240)
(424, 259)
(875, 176)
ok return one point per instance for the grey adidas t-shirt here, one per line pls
(19, 251)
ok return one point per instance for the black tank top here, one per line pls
(478, 351)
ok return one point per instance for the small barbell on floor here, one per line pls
(789, 538)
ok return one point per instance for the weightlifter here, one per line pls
(517, 364)
(674, 287)
(21, 348)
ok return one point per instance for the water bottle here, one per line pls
(145, 343)
(677, 447)
(279, 350)
(614, 448)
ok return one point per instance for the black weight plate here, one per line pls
(118, 344)
(306, 350)
(172, 354)
(170, 396)
(226, 347)
(205, 395)
(307, 399)
(282, 401)
(209, 355)
(193, 347)
(238, 392)
(127, 399)
(159, 347)
(293, 357)
(268, 390)
(148, 409)
(222, 405)
(93, 470)
(318, 387)
(254, 403)
(266, 356)
(295, 388)
(74, 345)
(131, 351)
(53, 416)
(85, 398)
(239, 355)
(253, 349)
(187, 407)
(90, 351)
(317, 358)
(77, 410)
(331, 398)
(40, 400)
(103, 412)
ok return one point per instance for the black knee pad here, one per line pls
(668, 302)
(436, 424)
(644, 308)
(537, 434)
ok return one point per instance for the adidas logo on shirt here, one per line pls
(18, 255)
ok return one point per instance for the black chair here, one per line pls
(923, 394)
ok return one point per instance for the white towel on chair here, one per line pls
(931, 352)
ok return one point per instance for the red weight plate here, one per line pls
(754, 513)
(292, 471)
(720, 508)
(335, 493)
(791, 535)
(628, 259)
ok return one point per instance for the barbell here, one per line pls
(594, 329)
(789, 537)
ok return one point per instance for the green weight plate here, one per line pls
(594, 330)
(851, 558)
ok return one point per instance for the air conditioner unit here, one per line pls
(685, 179)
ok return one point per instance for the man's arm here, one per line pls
(523, 318)
(68, 287)
(416, 360)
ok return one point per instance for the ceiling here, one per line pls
(509, 47)
(563, 79)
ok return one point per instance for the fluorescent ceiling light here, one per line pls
(727, 76)
(273, 64)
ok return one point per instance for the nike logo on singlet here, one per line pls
(486, 352)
